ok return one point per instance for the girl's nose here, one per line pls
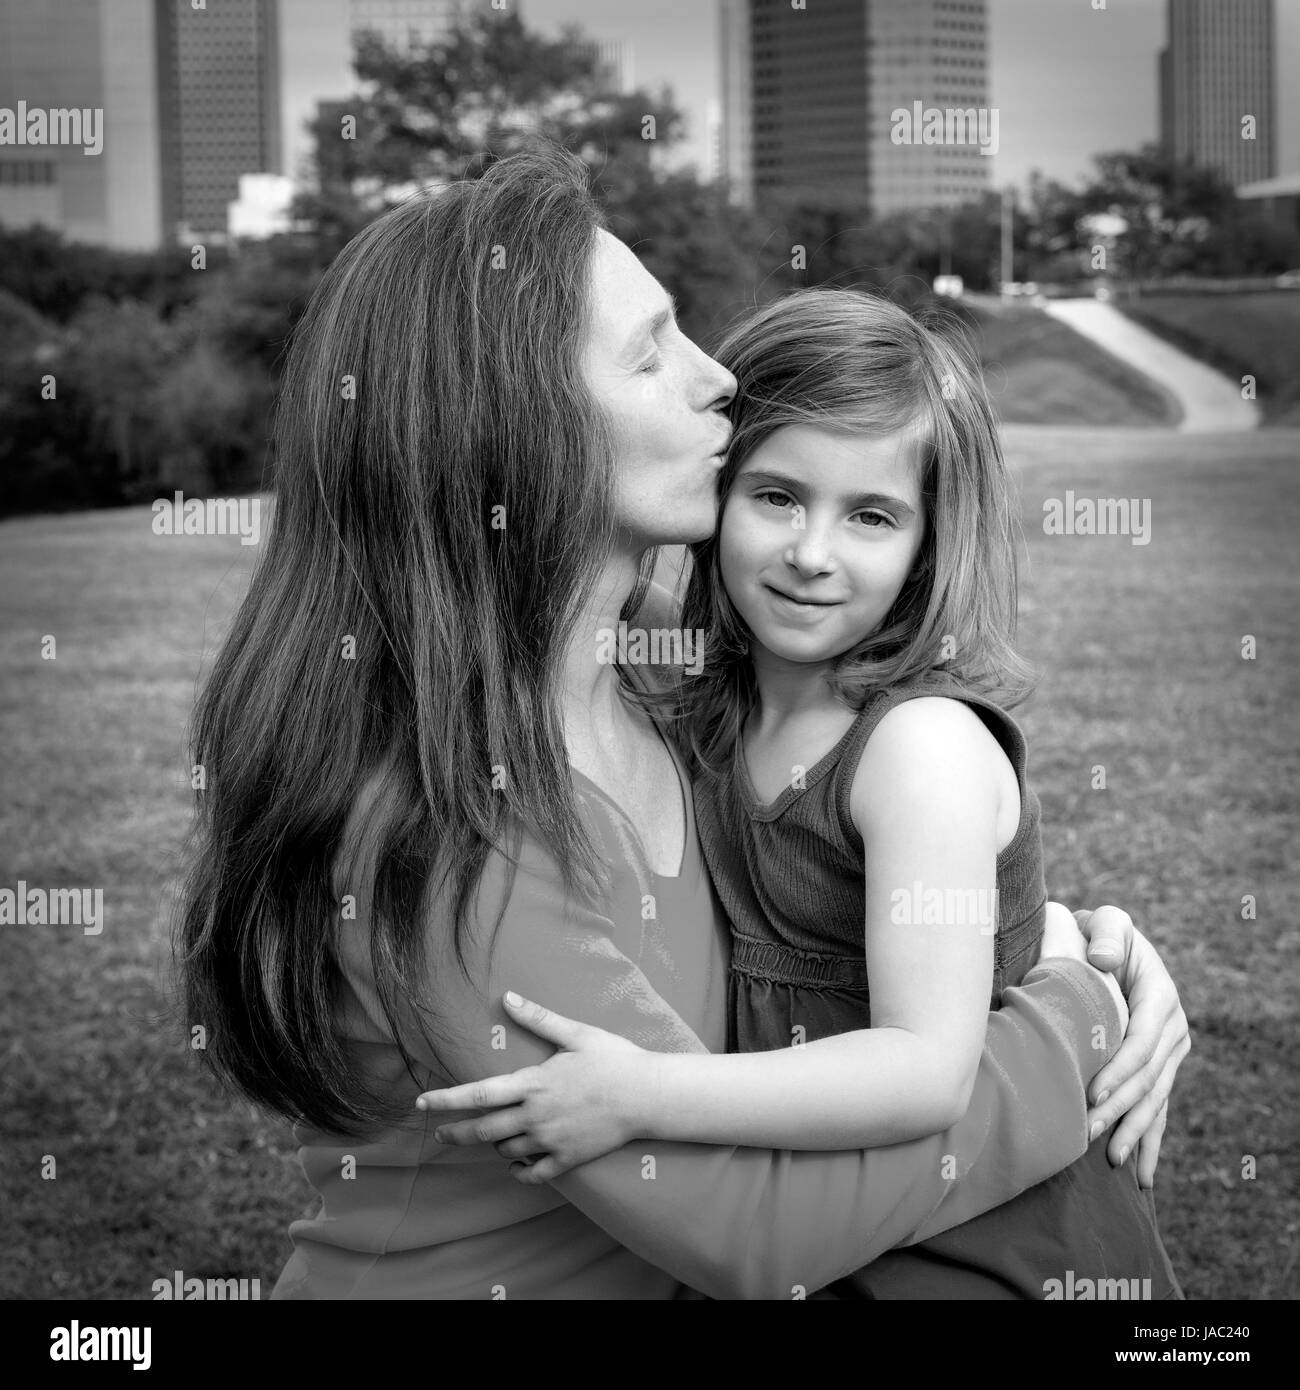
(809, 552)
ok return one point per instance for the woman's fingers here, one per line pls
(1130, 1074)
(546, 1023)
(484, 1129)
(1150, 1111)
(488, 1094)
(1149, 1148)
(1157, 1028)
(1110, 937)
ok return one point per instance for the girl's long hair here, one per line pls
(443, 507)
(855, 363)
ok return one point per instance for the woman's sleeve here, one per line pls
(737, 1222)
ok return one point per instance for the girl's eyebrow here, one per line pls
(766, 478)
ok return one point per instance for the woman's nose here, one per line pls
(719, 384)
(727, 385)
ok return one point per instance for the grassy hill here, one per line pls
(1240, 334)
(1040, 372)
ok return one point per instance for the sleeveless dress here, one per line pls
(790, 876)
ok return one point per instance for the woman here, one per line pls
(424, 787)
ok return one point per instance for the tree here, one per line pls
(1169, 206)
(433, 113)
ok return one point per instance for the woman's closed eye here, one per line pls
(652, 366)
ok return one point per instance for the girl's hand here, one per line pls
(586, 1100)
(1062, 937)
(1136, 1082)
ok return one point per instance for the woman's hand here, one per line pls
(586, 1100)
(1136, 1082)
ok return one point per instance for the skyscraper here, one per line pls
(219, 108)
(1218, 104)
(78, 56)
(811, 101)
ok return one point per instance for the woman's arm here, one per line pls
(907, 1076)
(755, 1223)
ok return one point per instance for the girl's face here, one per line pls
(818, 535)
(664, 399)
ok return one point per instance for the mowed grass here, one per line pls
(1254, 334)
(157, 1171)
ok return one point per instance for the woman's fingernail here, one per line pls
(513, 999)
(1096, 1129)
(1103, 952)
(1101, 1099)
(437, 1136)
(1123, 1157)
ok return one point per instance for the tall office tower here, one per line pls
(1215, 73)
(219, 108)
(810, 100)
(81, 55)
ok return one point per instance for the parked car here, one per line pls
(1289, 281)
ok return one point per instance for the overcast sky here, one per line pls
(1068, 81)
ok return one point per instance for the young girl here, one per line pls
(855, 776)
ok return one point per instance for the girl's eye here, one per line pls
(875, 520)
(773, 497)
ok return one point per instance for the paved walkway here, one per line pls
(1210, 402)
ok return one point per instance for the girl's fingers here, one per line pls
(489, 1094)
(484, 1129)
(563, 1032)
(518, 1146)
(534, 1174)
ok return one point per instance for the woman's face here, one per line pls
(818, 536)
(664, 399)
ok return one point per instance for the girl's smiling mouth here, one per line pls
(799, 602)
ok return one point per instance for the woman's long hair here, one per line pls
(443, 507)
(854, 363)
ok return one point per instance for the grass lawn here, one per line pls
(1240, 334)
(1039, 371)
(1141, 646)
